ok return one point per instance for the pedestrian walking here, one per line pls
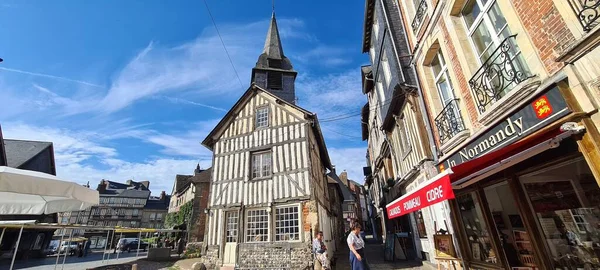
(80, 249)
(320, 250)
(86, 248)
(358, 261)
(180, 246)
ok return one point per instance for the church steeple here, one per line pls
(273, 71)
(273, 47)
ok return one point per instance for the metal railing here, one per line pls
(419, 16)
(499, 74)
(449, 122)
(587, 11)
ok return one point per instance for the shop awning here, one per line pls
(440, 187)
(24, 192)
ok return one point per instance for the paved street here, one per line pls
(374, 254)
(76, 263)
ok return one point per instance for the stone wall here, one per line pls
(210, 257)
(275, 255)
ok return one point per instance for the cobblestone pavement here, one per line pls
(374, 254)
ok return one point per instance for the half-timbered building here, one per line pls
(268, 186)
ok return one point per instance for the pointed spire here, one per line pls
(273, 48)
(197, 171)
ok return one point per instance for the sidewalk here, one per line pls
(374, 254)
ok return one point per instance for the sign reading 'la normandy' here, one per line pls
(545, 109)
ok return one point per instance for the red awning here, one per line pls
(440, 187)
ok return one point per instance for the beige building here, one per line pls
(512, 92)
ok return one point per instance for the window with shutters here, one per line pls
(262, 117)
(274, 80)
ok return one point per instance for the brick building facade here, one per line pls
(512, 92)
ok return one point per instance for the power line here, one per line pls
(349, 115)
(222, 42)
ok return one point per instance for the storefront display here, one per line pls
(476, 229)
(564, 199)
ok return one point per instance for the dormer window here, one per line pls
(274, 80)
(262, 117)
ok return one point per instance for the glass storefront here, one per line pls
(476, 230)
(566, 201)
(564, 198)
(514, 238)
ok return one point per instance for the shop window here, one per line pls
(566, 201)
(287, 224)
(421, 224)
(514, 238)
(478, 236)
(257, 225)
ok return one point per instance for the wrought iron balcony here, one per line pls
(587, 11)
(420, 16)
(499, 74)
(449, 122)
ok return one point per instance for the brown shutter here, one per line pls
(274, 80)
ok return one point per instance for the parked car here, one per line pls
(70, 246)
(129, 244)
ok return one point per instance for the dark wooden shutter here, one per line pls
(274, 80)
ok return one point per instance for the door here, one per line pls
(231, 237)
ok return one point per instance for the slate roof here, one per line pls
(182, 182)
(348, 197)
(18, 152)
(202, 177)
(273, 50)
(157, 204)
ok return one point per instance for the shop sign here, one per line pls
(435, 192)
(543, 110)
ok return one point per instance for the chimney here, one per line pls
(344, 177)
(102, 186)
(146, 184)
(163, 195)
(197, 170)
(129, 182)
(333, 169)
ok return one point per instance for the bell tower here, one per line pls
(273, 71)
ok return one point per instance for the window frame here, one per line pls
(299, 220)
(484, 18)
(443, 74)
(247, 225)
(261, 154)
(257, 117)
(269, 86)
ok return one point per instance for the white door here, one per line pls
(231, 237)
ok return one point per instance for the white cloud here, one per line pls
(337, 99)
(51, 77)
(351, 160)
(74, 152)
(325, 55)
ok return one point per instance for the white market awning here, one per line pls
(24, 192)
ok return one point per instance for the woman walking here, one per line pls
(357, 245)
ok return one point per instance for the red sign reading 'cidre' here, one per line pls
(435, 192)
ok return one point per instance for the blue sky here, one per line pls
(129, 89)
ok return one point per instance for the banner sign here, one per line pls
(543, 110)
(435, 192)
